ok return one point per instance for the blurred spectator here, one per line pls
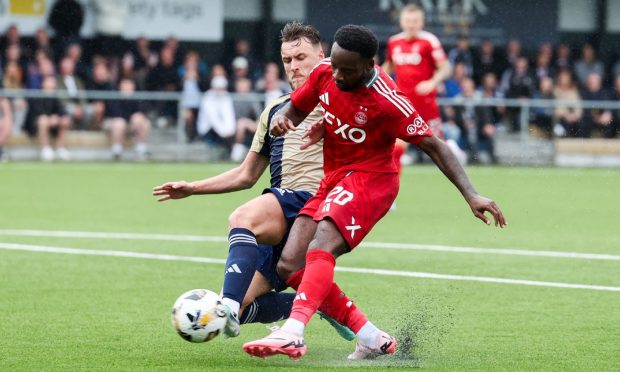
(240, 69)
(273, 87)
(615, 69)
(100, 82)
(41, 42)
(587, 65)
(566, 116)
(615, 124)
(194, 82)
(477, 124)
(217, 70)
(13, 77)
(517, 82)
(247, 112)
(173, 43)
(216, 117)
(47, 117)
(41, 67)
(13, 54)
(462, 54)
(66, 18)
(512, 54)
(543, 67)
(6, 125)
(543, 116)
(563, 58)
(453, 83)
(595, 119)
(74, 51)
(11, 37)
(244, 49)
(123, 114)
(489, 89)
(164, 77)
(75, 104)
(487, 61)
(272, 69)
(144, 59)
(110, 17)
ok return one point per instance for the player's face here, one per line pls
(299, 58)
(412, 22)
(349, 69)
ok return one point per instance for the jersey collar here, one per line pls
(373, 78)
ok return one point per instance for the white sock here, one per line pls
(117, 148)
(140, 148)
(232, 304)
(294, 326)
(367, 335)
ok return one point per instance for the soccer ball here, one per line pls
(198, 315)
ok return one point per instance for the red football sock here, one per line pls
(336, 305)
(295, 280)
(315, 285)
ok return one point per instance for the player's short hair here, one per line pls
(358, 39)
(410, 8)
(296, 30)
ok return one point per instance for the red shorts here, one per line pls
(426, 106)
(355, 201)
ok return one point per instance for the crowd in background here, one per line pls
(210, 113)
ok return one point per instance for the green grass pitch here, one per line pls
(69, 312)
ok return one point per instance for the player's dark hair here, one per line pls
(296, 30)
(358, 39)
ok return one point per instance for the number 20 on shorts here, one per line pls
(339, 196)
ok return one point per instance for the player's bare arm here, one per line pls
(450, 166)
(288, 118)
(242, 177)
(442, 72)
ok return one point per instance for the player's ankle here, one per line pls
(233, 305)
(294, 326)
(367, 335)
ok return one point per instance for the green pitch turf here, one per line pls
(69, 312)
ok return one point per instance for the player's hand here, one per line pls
(479, 205)
(173, 190)
(314, 134)
(280, 125)
(425, 87)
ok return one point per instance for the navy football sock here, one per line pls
(240, 265)
(269, 308)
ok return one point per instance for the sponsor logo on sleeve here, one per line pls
(418, 127)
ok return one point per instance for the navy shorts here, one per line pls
(291, 202)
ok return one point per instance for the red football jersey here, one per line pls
(415, 60)
(361, 125)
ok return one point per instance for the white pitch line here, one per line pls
(377, 245)
(410, 274)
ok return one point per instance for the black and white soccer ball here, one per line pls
(198, 315)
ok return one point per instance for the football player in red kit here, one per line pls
(363, 114)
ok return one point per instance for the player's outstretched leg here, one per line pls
(240, 268)
(371, 341)
(315, 286)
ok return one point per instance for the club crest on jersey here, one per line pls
(360, 118)
(418, 127)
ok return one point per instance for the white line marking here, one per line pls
(377, 245)
(410, 274)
